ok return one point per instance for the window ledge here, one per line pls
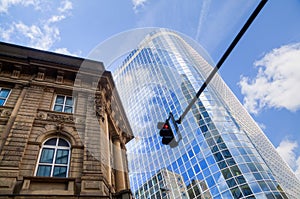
(48, 185)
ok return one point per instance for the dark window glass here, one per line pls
(240, 179)
(60, 171)
(235, 170)
(230, 162)
(222, 165)
(54, 159)
(226, 154)
(226, 173)
(231, 183)
(51, 142)
(62, 156)
(246, 190)
(62, 142)
(59, 99)
(218, 157)
(44, 171)
(236, 192)
(58, 108)
(203, 128)
(47, 155)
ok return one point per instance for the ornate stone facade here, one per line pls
(96, 128)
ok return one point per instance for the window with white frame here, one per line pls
(64, 104)
(54, 158)
(4, 93)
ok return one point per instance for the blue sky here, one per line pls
(263, 70)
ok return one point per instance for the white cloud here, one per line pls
(6, 4)
(56, 18)
(41, 37)
(138, 4)
(65, 51)
(65, 6)
(203, 16)
(42, 33)
(286, 150)
(277, 82)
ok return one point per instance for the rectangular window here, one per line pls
(64, 104)
(4, 93)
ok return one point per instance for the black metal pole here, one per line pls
(223, 58)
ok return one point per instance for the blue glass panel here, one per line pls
(257, 176)
(196, 149)
(68, 109)
(190, 153)
(179, 161)
(217, 176)
(58, 108)
(185, 158)
(255, 188)
(47, 155)
(59, 99)
(60, 171)
(62, 156)
(197, 169)
(214, 168)
(191, 173)
(69, 101)
(227, 194)
(4, 93)
(206, 172)
(210, 181)
(2, 102)
(44, 170)
(263, 186)
(210, 160)
(203, 164)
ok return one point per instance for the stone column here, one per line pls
(107, 150)
(118, 165)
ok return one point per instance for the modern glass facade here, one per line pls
(222, 153)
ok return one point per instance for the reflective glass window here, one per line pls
(4, 93)
(64, 104)
(54, 158)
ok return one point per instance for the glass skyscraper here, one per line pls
(221, 152)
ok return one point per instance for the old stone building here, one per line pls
(62, 126)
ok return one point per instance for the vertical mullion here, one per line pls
(64, 103)
(54, 158)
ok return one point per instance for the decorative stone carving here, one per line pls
(56, 117)
(41, 115)
(5, 112)
(61, 118)
(100, 107)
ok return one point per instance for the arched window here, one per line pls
(54, 158)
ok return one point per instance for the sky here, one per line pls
(263, 70)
